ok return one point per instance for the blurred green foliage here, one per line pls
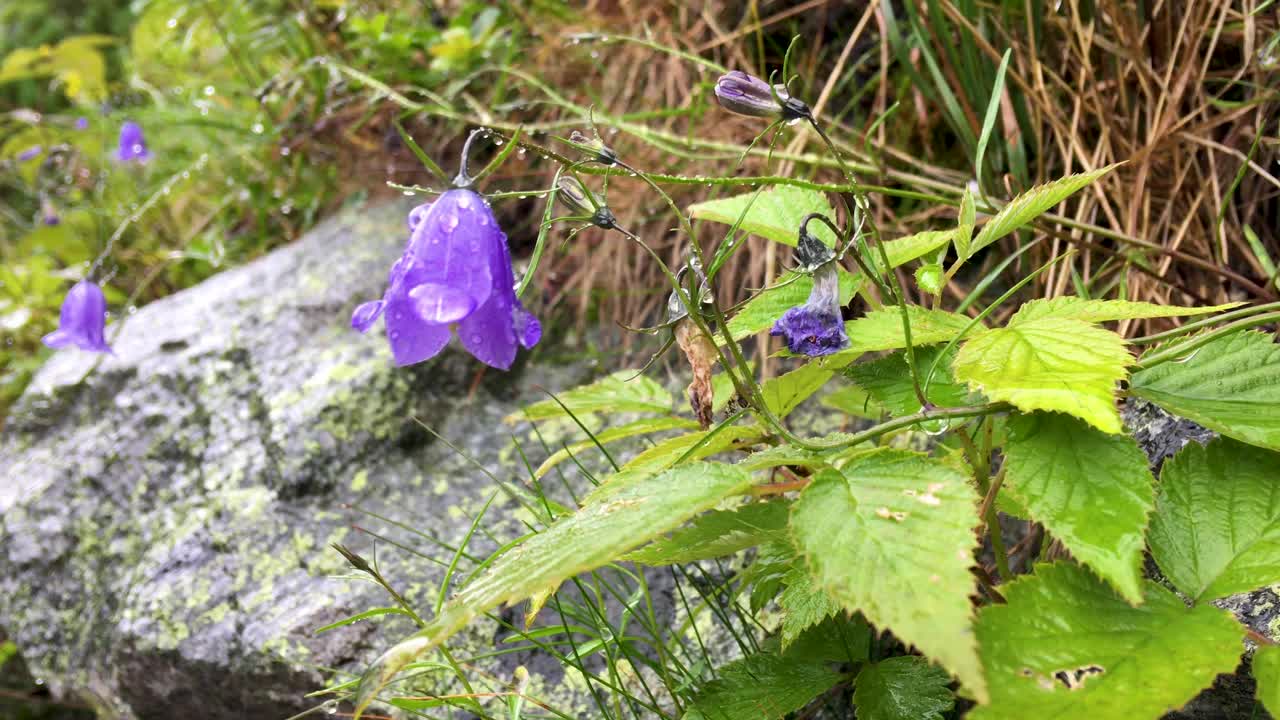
(254, 134)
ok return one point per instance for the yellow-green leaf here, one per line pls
(1216, 531)
(1092, 490)
(639, 427)
(1095, 311)
(623, 391)
(1065, 646)
(1032, 204)
(1049, 363)
(891, 535)
(774, 214)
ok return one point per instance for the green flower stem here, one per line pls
(898, 424)
(1180, 349)
(1206, 322)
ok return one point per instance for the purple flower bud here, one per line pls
(30, 153)
(455, 273)
(84, 313)
(132, 148)
(816, 328)
(50, 212)
(746, 94)
(82, 123)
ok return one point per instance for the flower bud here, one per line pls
(747, 95)
(576, 196)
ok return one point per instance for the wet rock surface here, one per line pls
(166, 514)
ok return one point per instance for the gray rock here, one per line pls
(167, 511)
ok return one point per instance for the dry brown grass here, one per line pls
(1179, 94)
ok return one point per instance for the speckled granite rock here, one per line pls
(165, 521)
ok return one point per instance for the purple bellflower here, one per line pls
(454, 273)
(132, 148)
(82, 123)
(84, 313)
(748, 95)
(49, 211)
(816, 327)
(30, 153)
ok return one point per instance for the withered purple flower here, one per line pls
(815, 328)
(132, 147)
(84, 315)
(455, 272)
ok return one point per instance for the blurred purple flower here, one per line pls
(132, 148)
(84, 313)
(455, 271)
(815, 328)
(82, 123)
(30, 153)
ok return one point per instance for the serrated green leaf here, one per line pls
(717, 533)
(882, 330)
(853, 400)
(1049, 363)
(639, 427)
(775, 213)
(622, 391)
(1032, 204)
(891, 535)
(905, 249)
(783, 393)
(902, 688)
(1096, 311)
(1216, 530)
(762, 686)
(804, 605)
(1266, 670)
(665, 454)
(760, 312)
(1065, 646)
(636, 510)
(787, 454)
(889, 381)
(930, 279)
(1092, 490)
(1229, 385)
(841, 638)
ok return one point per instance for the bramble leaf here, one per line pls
(1229, 385)
(1095, 311)
(804, 605)
(622, 391)
(902, 688)
(639, 427)
(1065, 646)
(905, 249)
(1030, 205)
(636, 510)
(783, 393)
(1216, 529)
(1266, 670)
(1049, 364)
(891, 535)
(1092, 490)
(882, 330)
(888, 381)
(774, 214)
(717, 533)
(762, 686)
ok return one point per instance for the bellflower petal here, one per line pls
(366, 315)
(132, 147)
(455, 271)
(30, 153)
(82, 321)
(815, 328)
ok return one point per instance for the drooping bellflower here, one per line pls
(82, 321)
(455, 273)
(816, 327)
(744, 94)
(132, 147)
